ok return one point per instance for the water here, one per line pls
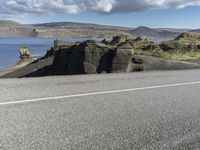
(9, 48)
(159, 40)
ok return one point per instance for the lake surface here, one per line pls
(9, 48)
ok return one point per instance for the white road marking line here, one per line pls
(98, 93)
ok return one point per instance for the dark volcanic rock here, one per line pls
(119, 39)
(88, 57)
(104, 41)
(125, 46)
(137, 60)
(58, 44)
(144, 45)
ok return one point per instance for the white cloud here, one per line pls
(25, 7)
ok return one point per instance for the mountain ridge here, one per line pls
(143, 31)
(195, 30)
(81, 30)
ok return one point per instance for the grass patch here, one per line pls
(175, 55)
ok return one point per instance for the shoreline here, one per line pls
(14, 67)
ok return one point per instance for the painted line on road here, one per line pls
(98, 93)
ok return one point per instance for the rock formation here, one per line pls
(58, 44)
(87, 58)
(25, 54)
(121, 54)
(119, 39)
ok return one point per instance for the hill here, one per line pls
(81, 30)
(9, 23)
(76, 24)
(78, 30)
(143, 31)
(196, 30)
(189, 37)
(59, 30)
(14, 29)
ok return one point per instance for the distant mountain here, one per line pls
(143, 31)
(9, 23)
(56, 24)
(78, 25)
(81, 30)
(68, 24)
(59, 30)
(189, 38)
(196, 30)
(179, 30)
(10, 28)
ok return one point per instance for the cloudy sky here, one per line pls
(153, 13)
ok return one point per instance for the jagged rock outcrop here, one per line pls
(125, 46)
(25, 54)
(119, 39)
(104, 41)
(143, 44)
(58, 45)
(137, 43)
(87, 58)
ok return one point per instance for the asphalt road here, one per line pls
(150, 110)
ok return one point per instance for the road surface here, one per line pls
(149, 110)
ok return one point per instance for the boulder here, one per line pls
(125, 46)
(25, 53)
(88, 57)
(58, 44)
(104, 41)
(119, 39)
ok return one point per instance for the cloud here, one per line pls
(24, 7)
(127, 6)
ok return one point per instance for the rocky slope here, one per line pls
(185, 42)
(189, 38)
